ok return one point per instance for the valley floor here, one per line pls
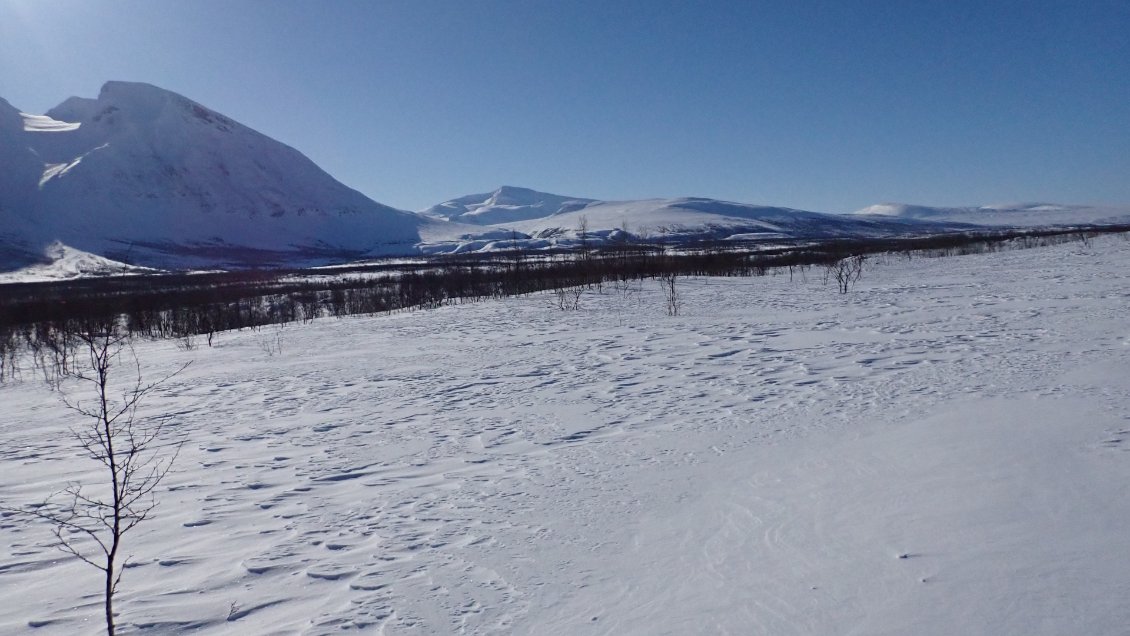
(941, 451)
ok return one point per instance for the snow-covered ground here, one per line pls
(941, 451)
(66, 263)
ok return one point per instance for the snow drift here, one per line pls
(942, 451)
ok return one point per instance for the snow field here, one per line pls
(940, 451)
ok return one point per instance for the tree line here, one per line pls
(45, 318)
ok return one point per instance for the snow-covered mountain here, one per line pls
(700, 217)
(20, 170)
(507, 204)
(145, 175)
(667, 220)
(1006, 214)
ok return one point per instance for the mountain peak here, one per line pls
(10, 119)
(513, 195)
(506, 204)
(148, 102)
(144, 170)
(515, 191)
(74, 109)
(140, 102)
(119, 88)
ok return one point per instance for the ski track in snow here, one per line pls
(939, 451)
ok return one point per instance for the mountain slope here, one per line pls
(20, 170)
(507, 204)
(61, 262)
(144, 176)
(1007, 214)
(149, 175)
(687, 217)
(674, 220)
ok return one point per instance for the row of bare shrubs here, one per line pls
(42, 318)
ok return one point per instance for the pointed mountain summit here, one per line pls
(148, 175)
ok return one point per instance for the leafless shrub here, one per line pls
(91, 526)
(568, 298)
(9, 356)
(187, 342)
(846, 271)
(272, 343)
(583, 235)
(626, 295)
(668, 283)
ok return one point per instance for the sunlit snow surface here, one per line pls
(63, 262)
(1007, 214)
(941, 451)
(43, 123)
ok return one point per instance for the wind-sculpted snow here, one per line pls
(941, 451)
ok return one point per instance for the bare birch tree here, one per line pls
(668, 283)
(847, 272)
(90, 521)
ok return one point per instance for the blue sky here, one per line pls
(828, 106)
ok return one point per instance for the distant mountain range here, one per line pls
(144, 176)
(1006, 214)
(541, 220)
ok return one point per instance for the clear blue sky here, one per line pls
(818, 105)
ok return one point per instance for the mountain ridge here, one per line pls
(146, 176)
(504, 204)
(149, 170)
(1004, 214)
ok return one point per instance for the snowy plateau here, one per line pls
(943, 450)
(144, 177)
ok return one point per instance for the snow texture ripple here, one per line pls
(941, 451)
